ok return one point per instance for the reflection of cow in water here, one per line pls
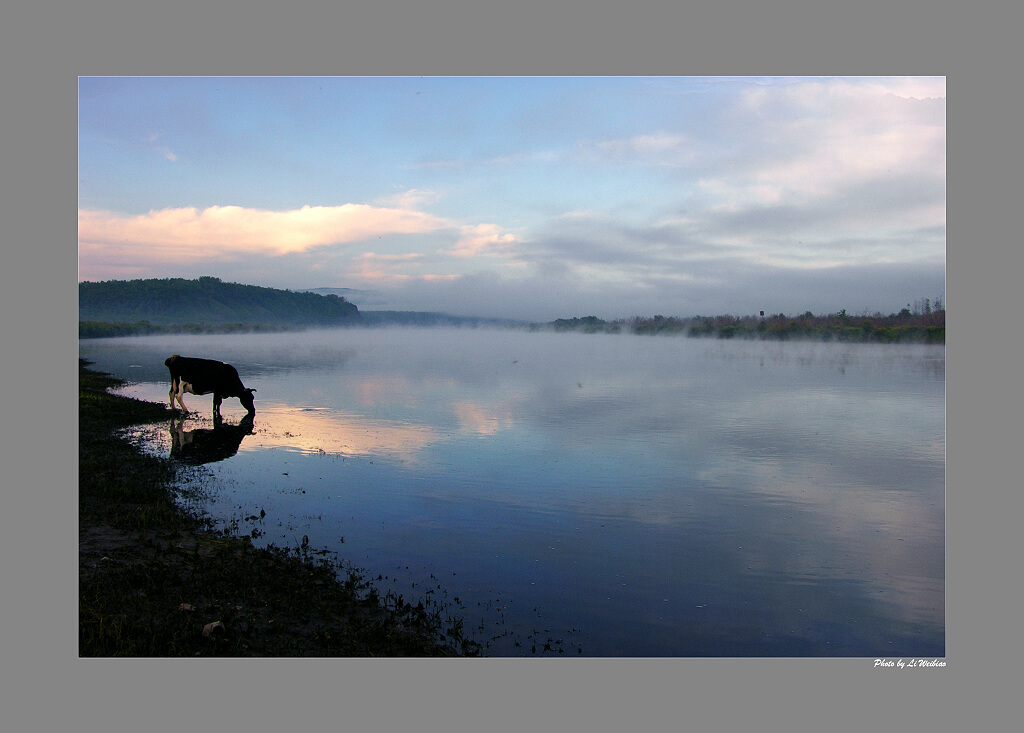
(203, 376)
(204, 445)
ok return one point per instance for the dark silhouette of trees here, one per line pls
(139, 305)
(926, 323)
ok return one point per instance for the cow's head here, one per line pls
(247, 402)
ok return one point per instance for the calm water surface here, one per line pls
(592, 495)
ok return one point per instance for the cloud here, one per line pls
(392, 258)
(233, 234)
(301, 239)
(603, 249)
(812, 140)
(482, 239)
(225, 231)
(163, 150)
(382, 270)
(656, 149)
(411, 199)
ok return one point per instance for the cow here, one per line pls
(203, 376)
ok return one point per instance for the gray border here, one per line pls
(44, 50)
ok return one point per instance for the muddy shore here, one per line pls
(156, 580)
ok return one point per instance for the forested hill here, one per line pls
(208, 301)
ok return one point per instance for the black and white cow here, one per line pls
(203, 376)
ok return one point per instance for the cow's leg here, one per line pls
(182, 388)
(216, 403)
(170, 394)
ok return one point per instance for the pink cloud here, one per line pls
(378, 269)
(225, 232)
(482, 239)
(114, 244)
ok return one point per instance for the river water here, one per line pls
(590, 495)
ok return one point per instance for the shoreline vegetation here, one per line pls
(902, 327)
(156, 579)
(209, 306)
(920, 326)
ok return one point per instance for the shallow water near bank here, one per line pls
(590, 495)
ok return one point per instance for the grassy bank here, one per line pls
(156, 580)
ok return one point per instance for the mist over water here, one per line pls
(595, 495)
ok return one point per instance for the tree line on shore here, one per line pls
(207, 305)
(925, 323)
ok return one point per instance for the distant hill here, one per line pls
(208, 300)
(374, 311)
(363, 298)
(424, 318)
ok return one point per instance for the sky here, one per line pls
(531, 198)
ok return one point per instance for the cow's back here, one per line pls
(206, 375)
